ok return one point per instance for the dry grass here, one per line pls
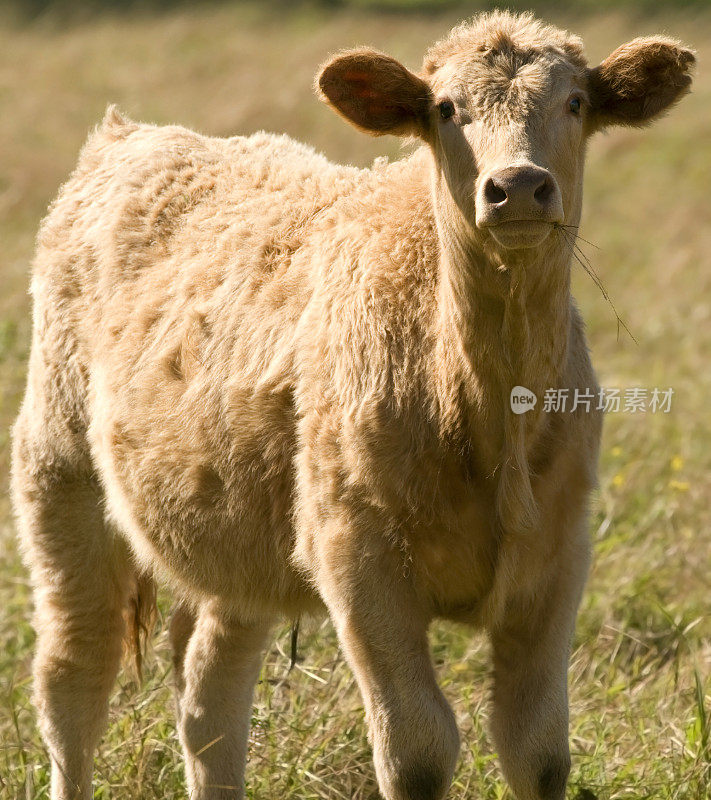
(640, 676)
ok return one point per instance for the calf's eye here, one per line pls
(446, 109)
(574, 105)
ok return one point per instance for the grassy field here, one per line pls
(641, 717)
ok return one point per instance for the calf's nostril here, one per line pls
(544, 191)
(494, 193)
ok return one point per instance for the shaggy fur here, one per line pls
(277, 383)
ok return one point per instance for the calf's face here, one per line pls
(506, 104)
(508, 135)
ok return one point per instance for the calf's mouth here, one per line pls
(520, 233)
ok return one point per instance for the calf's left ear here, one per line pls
(375, 93)
(639, 81)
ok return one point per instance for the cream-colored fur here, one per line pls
(277, 383)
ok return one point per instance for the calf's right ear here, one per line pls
(639, 81)
(375, 93)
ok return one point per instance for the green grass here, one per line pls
(640, 670)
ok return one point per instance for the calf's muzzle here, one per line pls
(518, 194)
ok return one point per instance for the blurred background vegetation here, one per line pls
(640, 676)
(71, 10)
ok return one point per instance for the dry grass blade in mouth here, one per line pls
(571, 235)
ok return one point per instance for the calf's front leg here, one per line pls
(530, 701)
(384, 637)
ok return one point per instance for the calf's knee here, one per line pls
(417, 762)
(553, 778)
(542, 778)
(424, 781)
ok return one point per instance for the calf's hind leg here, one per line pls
(182, 625)
(215, 683)
(81, 579)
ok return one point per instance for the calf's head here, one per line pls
(506, 105)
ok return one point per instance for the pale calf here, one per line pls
(277, 383)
